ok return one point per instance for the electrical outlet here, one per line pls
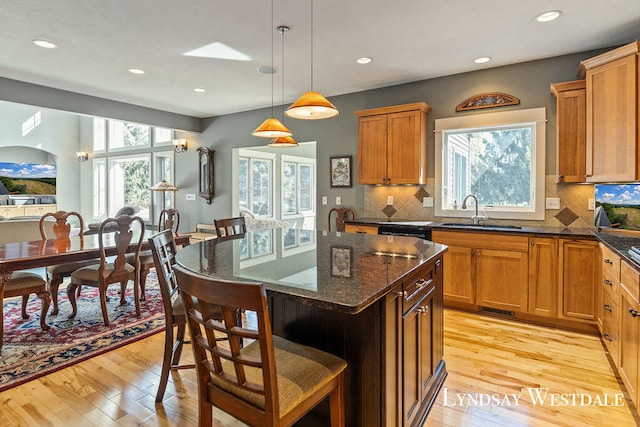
(390, 200)
(591, 204)
(191, 196)
(338, 200)
(552, 202)
(324, 200)
(427, 202)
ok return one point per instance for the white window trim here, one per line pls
(532, 115)
(124, 149)
(252, 154)
(298, 161)
(112, 206)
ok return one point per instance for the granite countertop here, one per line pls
(344, 272)
(620, 244)
(490, 227)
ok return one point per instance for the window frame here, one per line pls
(252, 156)
(298, 161)
(535, 116)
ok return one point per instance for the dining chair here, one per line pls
(229, 227)
(169, 220)
(269, 382)
(25, 283)
(62, 232)
(118, 270)
(343, 213)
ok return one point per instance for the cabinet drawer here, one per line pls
(506, 242)
(417, 286)
(610, 264)
(368, 229)
(611, 314)
(630, 279)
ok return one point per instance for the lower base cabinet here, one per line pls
(579, 260)
(629, 342)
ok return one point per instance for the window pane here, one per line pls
(163, 135)
(129, 184)
(99, 188)
(262, 242)
(494, 164)
(261, 188)
(306, 187)
(99, 134)
(243, 183)
(289, 190)
(306, 236)
(123, 134)
(289, 238)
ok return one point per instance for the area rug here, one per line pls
(29, 353)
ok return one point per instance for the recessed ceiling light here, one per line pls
(364, 60)
(45, 43)
(199, 90)
(549, 16)
(136, 71)
(482, 60)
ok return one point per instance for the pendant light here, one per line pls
(312, 105)
(283, 141)
(271, 127)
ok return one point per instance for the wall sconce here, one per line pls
(179, 145)
(83, 156)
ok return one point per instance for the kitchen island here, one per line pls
(375, 301)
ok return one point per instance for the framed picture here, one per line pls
(340, 171)
(341, 261)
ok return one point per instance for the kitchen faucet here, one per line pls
(475, 218)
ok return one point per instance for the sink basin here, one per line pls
(483, 226)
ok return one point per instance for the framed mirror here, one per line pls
(205, 168)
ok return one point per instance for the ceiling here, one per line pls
(409, 40)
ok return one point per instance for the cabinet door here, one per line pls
(612, 118)
(501, 279)
(543, 270)
(410, 365)
(628, 343)
(459, 268)
(11, 211)
(372, 149)
(406, 148)
(571, 136)
(578, 276)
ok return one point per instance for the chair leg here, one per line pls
(144, 271)
(103, 305)
(205, 413)
(123, 290)
(45, 296)
(176, 351)
(166, 363)
(71, 294)
(336, 403)
(54, 285)
(25, 300)
(136, 298)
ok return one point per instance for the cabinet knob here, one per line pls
(533, 243)
(420, 283)
(402, 294)
(607, 337)
(608, 261)
(633, 312)
(561, 177)
(423, 309)
(609, 309)
(608, 282)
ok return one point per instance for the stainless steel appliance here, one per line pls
(419, 229)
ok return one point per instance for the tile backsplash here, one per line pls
(407, 204)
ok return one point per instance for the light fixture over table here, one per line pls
(312, 105)
(271, 127)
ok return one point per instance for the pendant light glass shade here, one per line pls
(312, 106)
(271, 128)
(283, 142)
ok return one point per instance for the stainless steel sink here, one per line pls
(482, 226)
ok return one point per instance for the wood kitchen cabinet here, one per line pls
(26, 210)
(612, 99)
(543, 271)
(359, 228)
(485, 269)
(579, 271)
(392, 144)
(609, 304)
(629, 330)
(571, 113)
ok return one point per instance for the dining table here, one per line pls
(375, 301)
(17, 256)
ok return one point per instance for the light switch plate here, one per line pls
(191, 196)
(427, 202)
(390, 200)
(338, 200)
(552, 202)
(591, 204)
(324, 200)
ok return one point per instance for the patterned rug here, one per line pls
(29, 353)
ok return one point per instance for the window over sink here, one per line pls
(498, 157)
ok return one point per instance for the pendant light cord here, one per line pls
(284, 30)
(273, 71)
(311, 45)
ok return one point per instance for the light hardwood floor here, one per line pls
(484, 355)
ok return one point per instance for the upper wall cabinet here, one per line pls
(571, 128)
(613, 95)
(392, 144)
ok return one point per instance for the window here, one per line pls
(297, 186)
(123, 135)
(498, 157)
(129, 178)
(255, 183)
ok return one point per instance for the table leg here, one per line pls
(4, 279)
